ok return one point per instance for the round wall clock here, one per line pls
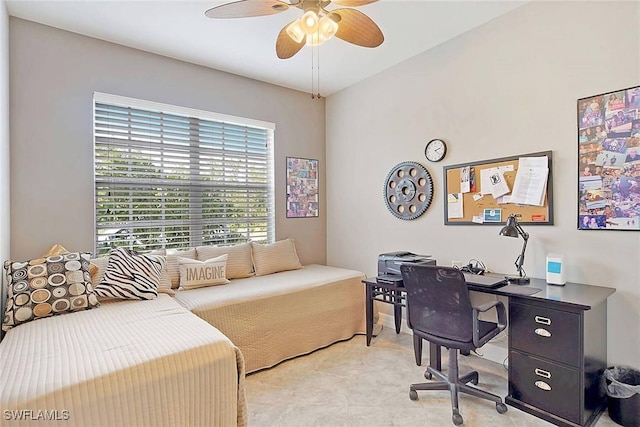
(435, 150)
(408, 190)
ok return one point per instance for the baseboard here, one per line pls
(495, 350)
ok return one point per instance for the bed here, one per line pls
(279, 316)
(127, 363)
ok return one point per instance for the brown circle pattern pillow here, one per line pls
(46, 287)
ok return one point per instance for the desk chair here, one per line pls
(440, 311)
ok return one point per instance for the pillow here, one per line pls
(279, 256)
(99, 266)
(131, 276)
(197, 274)
(46, 287)
(56, 249)
(239, 263)
(172, 263)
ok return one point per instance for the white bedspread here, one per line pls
(279, 316)
(128, 363)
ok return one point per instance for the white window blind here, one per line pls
(172, 177)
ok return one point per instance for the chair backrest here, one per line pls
(438, 301)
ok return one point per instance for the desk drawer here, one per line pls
(541, 331)
(547, 386)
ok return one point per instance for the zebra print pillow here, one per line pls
(131, 276)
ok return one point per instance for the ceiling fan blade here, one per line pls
(286, 47)
(247, 8)
(357, 28)
(353, 3)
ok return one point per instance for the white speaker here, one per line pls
(555, 269)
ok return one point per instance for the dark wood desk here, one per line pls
(557, 348)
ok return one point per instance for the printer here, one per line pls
(389, 264)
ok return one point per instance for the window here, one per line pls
(174, 177)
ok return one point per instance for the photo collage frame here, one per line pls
(609, 161)
(302, 188)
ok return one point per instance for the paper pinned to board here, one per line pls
(531, 181)
(455, 208)
(493, 182)
(477, 219)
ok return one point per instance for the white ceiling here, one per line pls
(179, 29)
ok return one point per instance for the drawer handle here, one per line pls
(543, 386)
(543, 373)
(543, 320)
(543, 332)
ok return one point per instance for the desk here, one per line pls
(557, 348)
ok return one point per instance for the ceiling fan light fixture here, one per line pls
(309, 22)
(295, 31)
(314, 39)
(327, 28)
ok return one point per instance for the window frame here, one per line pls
(198, 116)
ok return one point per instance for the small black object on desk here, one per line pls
(514, 229)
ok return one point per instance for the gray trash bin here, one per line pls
(623, 391)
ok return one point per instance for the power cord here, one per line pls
(474, 267)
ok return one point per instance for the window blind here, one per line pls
(170, 177)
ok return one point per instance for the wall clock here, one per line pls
(435, 150)
(408, 190)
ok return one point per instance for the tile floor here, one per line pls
(349, 384)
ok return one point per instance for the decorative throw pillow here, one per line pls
(172, 263)
(197, 274)
(99, 267)
(46, 287)
(239, 263)
(278, 256)
(56, 249)
(131, 276)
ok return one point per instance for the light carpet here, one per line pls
(350, 384)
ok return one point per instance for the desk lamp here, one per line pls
(514, 229)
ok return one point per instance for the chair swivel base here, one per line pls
(455, 385)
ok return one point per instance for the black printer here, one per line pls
(389, 264)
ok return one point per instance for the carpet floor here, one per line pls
(350, 384)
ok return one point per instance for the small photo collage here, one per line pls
(609, 161)
(302, 188)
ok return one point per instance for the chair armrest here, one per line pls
(502, 318)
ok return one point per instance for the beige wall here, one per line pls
(506, 88)
(4, 143)
(54, 75)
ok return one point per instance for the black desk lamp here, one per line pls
(514, 229)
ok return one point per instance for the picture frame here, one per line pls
(302, 188)
(609, 161)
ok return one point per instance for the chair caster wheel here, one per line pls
(428, 375)
(501, 408)
(457, 419)
(413, 395)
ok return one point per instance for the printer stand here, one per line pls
(388, 293)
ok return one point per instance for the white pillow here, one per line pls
(172, 263)
(239, 263)
(278, 256)
(197, 274)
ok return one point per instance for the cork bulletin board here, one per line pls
(479, 203)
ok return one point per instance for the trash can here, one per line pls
(623, 391)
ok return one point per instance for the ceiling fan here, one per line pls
(316, 25)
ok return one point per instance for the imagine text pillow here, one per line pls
(46, 287)
(239, 263)
(131, 276)
(278, 256)
(197, 274)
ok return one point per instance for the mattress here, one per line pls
(127, 363)
(283, 315)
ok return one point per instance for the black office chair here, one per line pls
(439, 310)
